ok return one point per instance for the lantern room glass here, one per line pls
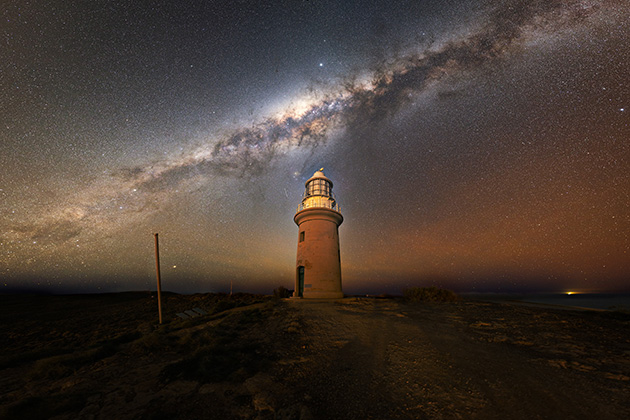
(318, 187)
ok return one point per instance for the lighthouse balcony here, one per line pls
(321, 201)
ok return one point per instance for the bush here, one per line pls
(429, 294)
(281, 293)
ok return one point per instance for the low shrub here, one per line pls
(429, 294)
(281, 293)
(17, 359)
(223, 305)
(44, 407)
(218, 362)
(56, 367)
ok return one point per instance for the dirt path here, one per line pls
(382, 359)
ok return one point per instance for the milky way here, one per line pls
(368, 120)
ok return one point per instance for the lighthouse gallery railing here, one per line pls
(319, 202)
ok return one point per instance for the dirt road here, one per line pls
(383, 359)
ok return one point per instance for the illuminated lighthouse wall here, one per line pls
(318, 264)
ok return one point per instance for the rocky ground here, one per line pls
(252, 357)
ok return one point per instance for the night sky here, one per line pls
(476, 145)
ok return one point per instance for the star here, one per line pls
(209, 132)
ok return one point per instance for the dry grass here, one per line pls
(223, 352)
(67, 335)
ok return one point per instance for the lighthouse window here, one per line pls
(302, 236)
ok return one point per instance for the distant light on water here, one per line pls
(582, 299)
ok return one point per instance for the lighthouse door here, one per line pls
(301, 281)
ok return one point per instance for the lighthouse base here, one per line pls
(320, 295)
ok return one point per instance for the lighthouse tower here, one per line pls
(318, 266)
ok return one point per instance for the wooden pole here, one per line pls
(157, 270)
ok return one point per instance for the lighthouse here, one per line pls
(318, 265)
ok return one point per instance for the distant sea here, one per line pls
(601, 301)
(609, 301)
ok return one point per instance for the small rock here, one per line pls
(90, 411)
(259, 383)
(618, 377)
(177, 388)
(305, 413)
(287, 413)
(265, 415)
(208, 389)
(264, 401)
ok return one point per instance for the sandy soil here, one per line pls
(104, 357)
